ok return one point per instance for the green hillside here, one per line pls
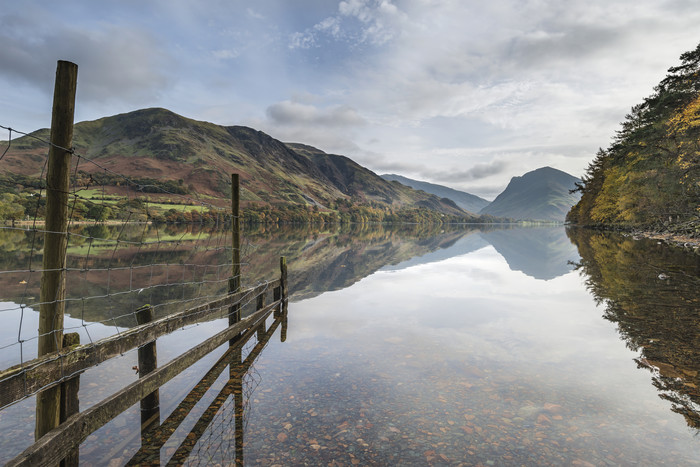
(649, 177)
(165, 154)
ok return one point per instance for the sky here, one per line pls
(463, 93)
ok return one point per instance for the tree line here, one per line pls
(649, 176)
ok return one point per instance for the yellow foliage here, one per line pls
(688, 118)
(605, 207)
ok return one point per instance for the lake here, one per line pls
(402, 345)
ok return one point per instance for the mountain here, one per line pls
(649, 177)
(466, 201)
(354, 180)
(542, 194)
(158, 147)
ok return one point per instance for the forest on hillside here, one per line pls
(649, 176)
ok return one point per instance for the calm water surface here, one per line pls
(458, 347)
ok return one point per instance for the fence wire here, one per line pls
(130, 242)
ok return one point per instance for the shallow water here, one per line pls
(481, 346)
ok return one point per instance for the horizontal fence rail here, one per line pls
(178, 415)
(19, 382)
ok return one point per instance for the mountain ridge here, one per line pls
(160, 144)
(156, 148)
(464, 200)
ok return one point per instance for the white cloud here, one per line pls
(254, 14)
(331, 128)
(114, 62)
(295, 113)
(374, 22)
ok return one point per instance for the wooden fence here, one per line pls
(54, 376)
(58, 443)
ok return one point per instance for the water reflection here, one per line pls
(540, 252)
(652, 293)
(114, 270)
(461, 360)
(436, 348)
(219, 431)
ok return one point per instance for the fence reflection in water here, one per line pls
(218, 434)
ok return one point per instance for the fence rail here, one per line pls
(21, 381)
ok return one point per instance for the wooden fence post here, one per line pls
(283, 332)
(235, 281)
(276, 294)
(148, 362)
(283, 283)
(55, 238)
(238, 408)
(259, 306)
(70, 402)
(283, 298)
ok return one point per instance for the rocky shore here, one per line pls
(684, 241)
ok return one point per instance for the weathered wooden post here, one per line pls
(238, 408)
(283, 282)
(283, 332)
(148, 362)
(279, 292)
(276, 295)
(283, 297)
(55, 238)
(260, 304)
(235, 281)
(70, 403)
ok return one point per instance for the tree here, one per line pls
(10, 207)
(651, 171)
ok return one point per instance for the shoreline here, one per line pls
(683, 241)
(674, 239)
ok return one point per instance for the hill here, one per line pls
(466, 201)
(356, 181)
(649, 177)
(158, 148)
(542, 194)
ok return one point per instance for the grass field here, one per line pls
(96, 195)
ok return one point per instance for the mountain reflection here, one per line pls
(652, 293)
(323, 261)
(120, 268)
(539, 252)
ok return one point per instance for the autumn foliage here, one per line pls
(649, 177)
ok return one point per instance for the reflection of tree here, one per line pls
(114, 269)
(652, 293)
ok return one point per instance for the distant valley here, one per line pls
(466, 201)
